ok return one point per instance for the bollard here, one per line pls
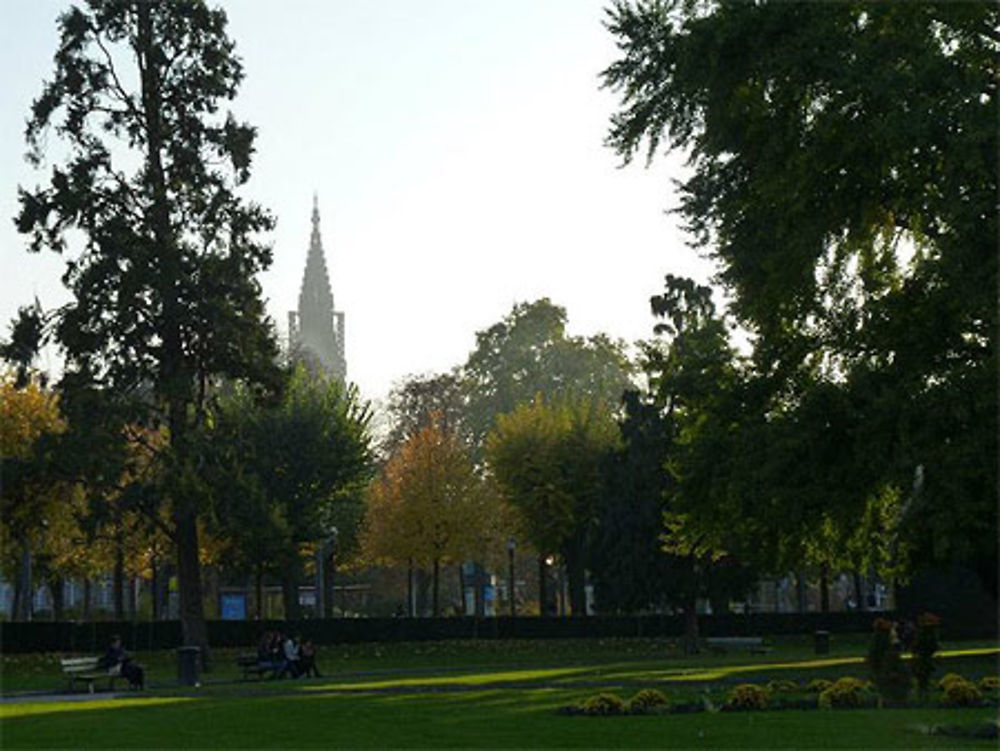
(188, 666)
(822, 642)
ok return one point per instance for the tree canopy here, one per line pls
(844, 178)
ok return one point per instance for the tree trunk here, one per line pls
(175, 382)
(87, 597)
(411, 603)
(859, 592)
(543, 593)
(437, 571)
(577, 579)
(58, 601)
(461, 588)
(691, 627)
(258, 593)
(23, 591)
(290, 596)
(193, 630)
(480, 580)
(118, 579)
(154, 591)
(824, 588)
(800, 591)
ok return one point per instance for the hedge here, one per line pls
(46, 636)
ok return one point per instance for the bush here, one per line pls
(846, 692)
(603, 704)
(818, 685)
(783, 686)
(748, 696)
(989, 683)
(962, 693)
(647, 700)
(951, 678)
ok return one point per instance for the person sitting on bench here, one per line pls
(117, 661)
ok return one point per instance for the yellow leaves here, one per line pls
(25, 415)
(428, 504)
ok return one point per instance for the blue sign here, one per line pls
(233, 606)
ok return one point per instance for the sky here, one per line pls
(456, 148)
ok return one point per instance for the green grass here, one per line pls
(482, 719)
(479, 694)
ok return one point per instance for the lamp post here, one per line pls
(511, 547)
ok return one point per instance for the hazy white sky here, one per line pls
(456, 147)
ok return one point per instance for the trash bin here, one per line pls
(188, 666)
(822, 642)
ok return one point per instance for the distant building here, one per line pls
(316, 330)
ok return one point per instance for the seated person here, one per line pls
(307, 659)
(117, 662)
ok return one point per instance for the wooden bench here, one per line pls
(87, 670)
(250, 664)
(722, 644)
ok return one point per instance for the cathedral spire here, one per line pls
(319, 329)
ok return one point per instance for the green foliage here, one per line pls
(603, 704)
(844, 178)
(285, 473)
(818, 685)
(647, 701)
(528, 353)
(989, 683)
(961, 693)
(783, 686)
(748, 696)
(845, 692)
(950, 678)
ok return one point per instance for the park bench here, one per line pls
(250, 664)
(87, 670)
(722, 644)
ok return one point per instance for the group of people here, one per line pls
(286, 655)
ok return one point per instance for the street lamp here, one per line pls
(511, 547)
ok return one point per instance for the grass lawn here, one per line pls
(479, 694)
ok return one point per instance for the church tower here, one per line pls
(316, 330)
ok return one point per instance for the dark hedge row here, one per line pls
(42, 636)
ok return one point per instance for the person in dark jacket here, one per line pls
(118, 662)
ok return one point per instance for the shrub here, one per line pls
(951, 678)
(962, 693)
(748, 696)
(783, 686)
(846, 692)
(603, 704)
(817, 685)
(647, 700)
(989, 683)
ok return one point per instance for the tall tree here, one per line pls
(164, 292)
(844, 177)
(287, 474)
(529, 353)
(416, 400)
(429, 507)
(547, 459)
